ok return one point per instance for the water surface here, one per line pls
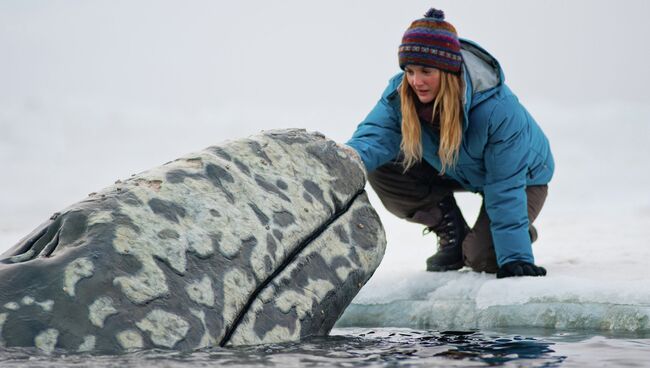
(384, 347)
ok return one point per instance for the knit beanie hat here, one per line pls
(431, 42)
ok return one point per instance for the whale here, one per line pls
(257, 240)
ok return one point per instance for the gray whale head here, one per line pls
(258, 240)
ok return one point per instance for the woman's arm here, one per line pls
(377, 138)
(506, 157)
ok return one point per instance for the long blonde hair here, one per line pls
(448, 106)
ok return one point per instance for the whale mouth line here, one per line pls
(287, 261)
(40, 243)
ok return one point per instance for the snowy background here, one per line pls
(94, 91)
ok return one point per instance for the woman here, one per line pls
(449, 123)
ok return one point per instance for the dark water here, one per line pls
(380, 348)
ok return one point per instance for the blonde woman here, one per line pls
(448, 123)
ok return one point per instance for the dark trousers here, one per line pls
(414, 196)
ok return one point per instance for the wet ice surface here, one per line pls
(354, 347)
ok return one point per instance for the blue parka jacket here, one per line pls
(503, 150)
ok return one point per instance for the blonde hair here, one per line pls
(447, 105)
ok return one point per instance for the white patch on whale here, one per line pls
(165, 329)
(12, 306)
(88, 344)
(201, 291)
(130, 340)
(237, 285)
(303, 301)
(46, 305)
(46, 340)
(207, 339)
(200, 244)
(277, 333)
(100, 310)
(149, 282)
(75, 271)
(330, 254)
(3, 319)
(100, 217)
(229, 249)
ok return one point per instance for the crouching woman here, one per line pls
(448, 123)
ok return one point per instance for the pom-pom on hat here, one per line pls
(431, 42)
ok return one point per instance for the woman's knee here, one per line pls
(403, 194)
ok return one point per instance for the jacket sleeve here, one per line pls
(377, 138)
(506, 156)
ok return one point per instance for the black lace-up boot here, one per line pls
(451, 231)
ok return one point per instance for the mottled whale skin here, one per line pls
(258, 240)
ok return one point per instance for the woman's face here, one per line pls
(424, 81)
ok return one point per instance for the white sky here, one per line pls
(198, 54)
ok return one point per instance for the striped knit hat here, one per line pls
(431, 42)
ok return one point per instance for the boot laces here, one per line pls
(446, 229)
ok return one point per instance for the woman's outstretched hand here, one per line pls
(350, 151)
(520, 268)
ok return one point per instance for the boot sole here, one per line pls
(443, 268)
